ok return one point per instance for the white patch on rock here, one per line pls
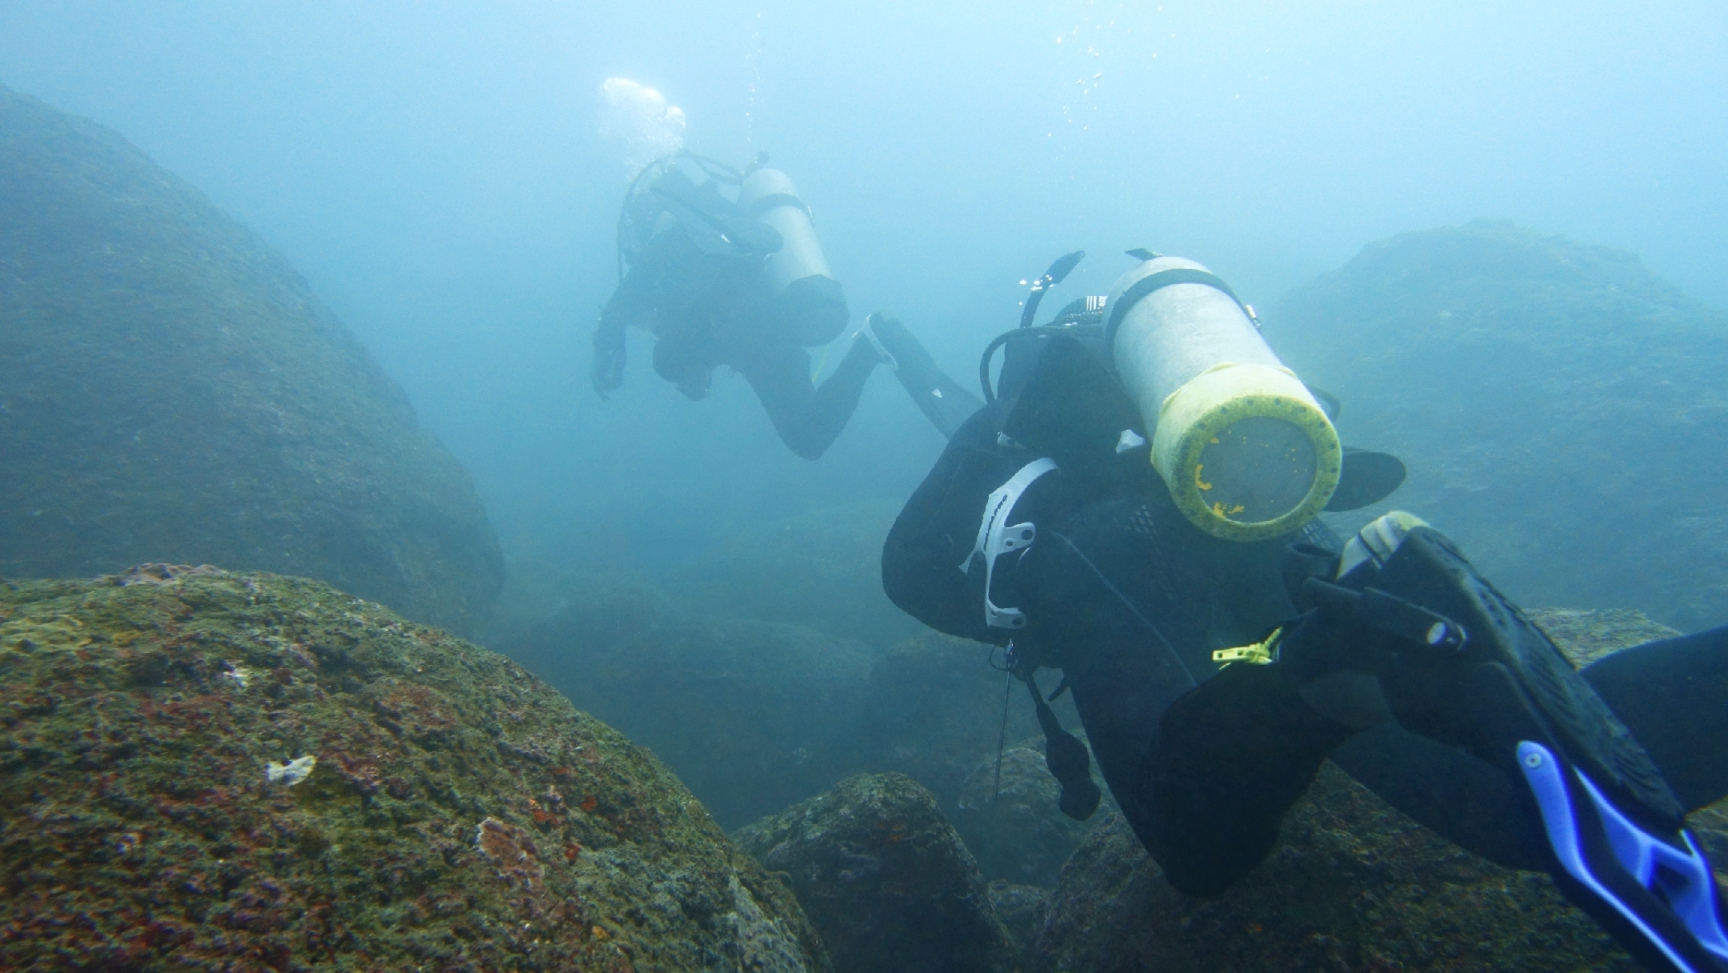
(292, 772)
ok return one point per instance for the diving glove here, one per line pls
(1460, 663)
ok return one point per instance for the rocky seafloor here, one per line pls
(202, 770)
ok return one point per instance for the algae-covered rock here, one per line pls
(1021, 908)
(1561, 409)
(1352, 884)
(211, 771)
(884, 879)
(170, 389)
(752, 716)
(1586, 636)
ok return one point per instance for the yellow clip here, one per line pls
(1258, 654)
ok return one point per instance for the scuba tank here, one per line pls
(1246, 451)
(806, 301)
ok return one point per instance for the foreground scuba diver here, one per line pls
(1044, 528)
(742, 282)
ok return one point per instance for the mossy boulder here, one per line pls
(171, 389)
(1352, 885)
(210, 771)
(1561, 409)
(885, 879)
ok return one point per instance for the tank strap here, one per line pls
(997, 537)
(775, 201)
(1150, 283)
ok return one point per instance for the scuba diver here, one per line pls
(741, 281)
(1135, 506)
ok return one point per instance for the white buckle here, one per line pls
(996, 537)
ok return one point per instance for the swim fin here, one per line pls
(1459, 663)
(939, 397)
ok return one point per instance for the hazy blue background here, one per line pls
(434, 170)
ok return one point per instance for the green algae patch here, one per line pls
(202, 770)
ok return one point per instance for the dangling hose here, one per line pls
(1041, 331)
(1058, 270)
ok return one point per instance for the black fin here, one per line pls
(1673, 696)
(1141, 253)
(939, 397)
(1367, 477)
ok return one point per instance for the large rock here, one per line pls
(170, 389)
(1352, 885)
(212, 771)
(1011, 822)
(756, 715)
(751, 715)
(935, 706)
(885, 880)
(1561, 410)
(820, 569)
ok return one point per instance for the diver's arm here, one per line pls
(607, 370)
(630, 302)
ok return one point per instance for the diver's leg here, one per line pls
(939, 397)
(807, 418)
(1673, 694)
(1459, 663)
(1202, 773)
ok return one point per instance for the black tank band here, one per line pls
(1146, 285)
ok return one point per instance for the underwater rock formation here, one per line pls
(1352, 885)
(884, 879)
(1561, 410)
(752, 716)
(210, 771)
(934, 708)
(170, 389)
(1017, 832)
(821, 569)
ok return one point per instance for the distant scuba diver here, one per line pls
(742, 282)
(1134, 507)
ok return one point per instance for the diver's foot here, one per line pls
(1460, 663)
(1474, 644)
(883, 330)
(939, 397)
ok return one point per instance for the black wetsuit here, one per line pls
(712, 309)
(1129, 600)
